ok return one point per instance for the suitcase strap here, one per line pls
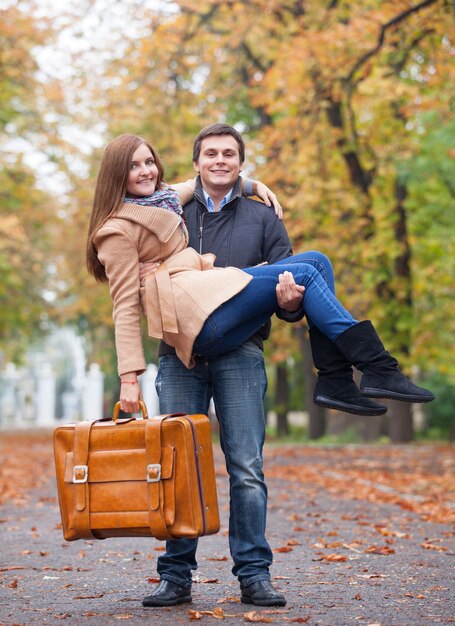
(156, 491)
(81, 520)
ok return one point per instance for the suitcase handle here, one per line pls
(116, 411)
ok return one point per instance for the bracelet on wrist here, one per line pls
(129, 382)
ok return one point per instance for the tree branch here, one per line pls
(384, 28)
(399, 65)
(203, 19)
(256, 62)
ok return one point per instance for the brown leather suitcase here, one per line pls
(136, 477)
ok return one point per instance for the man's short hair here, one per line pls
(218, 129)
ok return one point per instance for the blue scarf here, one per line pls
(165, 198)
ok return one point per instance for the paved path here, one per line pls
(358, 533)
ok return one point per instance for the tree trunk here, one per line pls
(282, 399)
(369, 428)
(452, 432)
(316, 414)
(401, 427)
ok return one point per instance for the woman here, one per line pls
(194, 306)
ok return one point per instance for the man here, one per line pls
(240, 232)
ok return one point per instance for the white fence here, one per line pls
(29, 397)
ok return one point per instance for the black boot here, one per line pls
(335, 388)
(381, 376)
(167, 593)
(262, 593)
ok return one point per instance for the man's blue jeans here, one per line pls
(240, 317)
(237, 382)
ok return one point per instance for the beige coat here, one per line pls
(177, 299)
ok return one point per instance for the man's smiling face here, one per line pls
(219, 162)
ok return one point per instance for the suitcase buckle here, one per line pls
(155, 468)
(76, 470)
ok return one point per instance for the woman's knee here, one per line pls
(324, 265)
(320, 258)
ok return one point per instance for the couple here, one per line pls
(213, 320)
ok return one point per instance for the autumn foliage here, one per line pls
(347, 109)
(340, 103)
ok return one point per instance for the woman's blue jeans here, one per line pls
(240, 317)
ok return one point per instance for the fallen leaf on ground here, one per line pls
(254, 616)
(349, 546)
(283, 549)
(379, 550)
(199, 579)
(335, 558)
(431, 546)
(195, 615)
(392, 533)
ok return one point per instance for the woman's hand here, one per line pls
(268, 197)
(148, 267)
(130, 394)
(289, 295)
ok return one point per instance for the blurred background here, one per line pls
(346, 107)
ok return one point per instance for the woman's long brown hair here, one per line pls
(111, 189)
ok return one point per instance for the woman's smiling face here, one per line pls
(143, 173)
